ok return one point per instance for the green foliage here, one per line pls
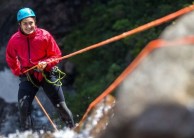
(100, 21)
(121, 25)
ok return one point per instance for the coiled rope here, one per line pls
(60, 76)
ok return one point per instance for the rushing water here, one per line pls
(66, 133)
(8, 86)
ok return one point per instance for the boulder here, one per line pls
(156, 98)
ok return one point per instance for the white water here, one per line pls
(66, 133)
(8, 86)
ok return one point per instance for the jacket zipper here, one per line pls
(29, 60)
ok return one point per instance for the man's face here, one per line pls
(28, 25)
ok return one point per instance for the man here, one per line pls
(28, 47)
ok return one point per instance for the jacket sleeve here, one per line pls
(12, 59)
(53, 52)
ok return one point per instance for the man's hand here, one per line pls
(41, 65)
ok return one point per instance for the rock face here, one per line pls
(156, 99)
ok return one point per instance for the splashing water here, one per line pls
(67, 133)
(9, 86)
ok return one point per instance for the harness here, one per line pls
(55, 71)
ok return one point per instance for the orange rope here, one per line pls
(54, 126)
(149, 48)
(125, 34)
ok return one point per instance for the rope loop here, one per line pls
(60, 75)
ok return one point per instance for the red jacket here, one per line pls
(25, 51)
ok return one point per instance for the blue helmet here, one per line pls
(24, 13)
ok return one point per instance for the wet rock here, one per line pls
(98, 118)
